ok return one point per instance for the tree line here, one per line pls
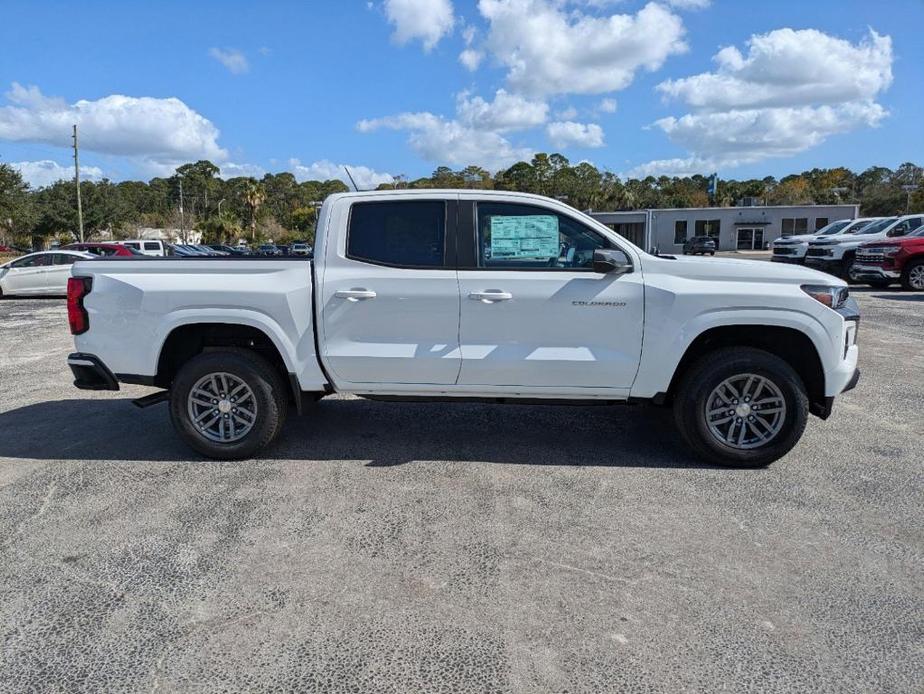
(280, 208)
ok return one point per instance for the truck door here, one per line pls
(389, 293)
(534, 312)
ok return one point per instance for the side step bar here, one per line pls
(152, 399)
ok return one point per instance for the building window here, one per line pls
(820, 222)
(680, 232)
(708, 227)
(798, 225)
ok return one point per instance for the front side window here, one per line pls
(680, 232)
(525, 237)
(133, 244)
(401, 234)
(32, 261)
(151, 246)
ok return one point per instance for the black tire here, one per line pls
(707, 374)
(266, 384)
(907, 282)
(711, 252)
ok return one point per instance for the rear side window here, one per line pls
(64, 259)
(402, 234)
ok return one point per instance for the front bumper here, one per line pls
(873, 272)
(833, 266)
(90, 373)
(791, 259)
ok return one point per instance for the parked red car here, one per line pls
(104, 249)
(880, 263)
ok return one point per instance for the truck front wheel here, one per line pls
(228, 404)
(913, 276)
(741, 407)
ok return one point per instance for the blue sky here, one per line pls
(401, 86)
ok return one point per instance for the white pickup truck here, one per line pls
(837, 254)
(791, 249)
(459, 295)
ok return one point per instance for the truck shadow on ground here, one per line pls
(378, 434)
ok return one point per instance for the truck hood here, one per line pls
(801, 238)
(734, 270)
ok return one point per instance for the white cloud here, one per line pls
(673, 167)
(471, 59)
(568, 113)
(548, 49)
(231, 58)
(159, 133)
(570, 134)
(450, 142)
(744, 136)
(427, 20)
(326, 170)
(506, 113)
(39, 174)
(607, 106)
(789, 68)
(232, 170)
(689, 4)
(474, 136)
(790, 92)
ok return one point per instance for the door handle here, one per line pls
(490, 296)
(355, 294)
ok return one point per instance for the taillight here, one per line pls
(77, 289)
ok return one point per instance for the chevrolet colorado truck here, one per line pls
(459, 295)
(791, 249)
(837, 255)
(880, 263)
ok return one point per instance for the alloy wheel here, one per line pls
(222, 407)
(745, 411)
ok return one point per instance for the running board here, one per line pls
(152, 399)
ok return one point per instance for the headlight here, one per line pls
(832, 297)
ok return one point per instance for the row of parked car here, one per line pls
(878, 251)
(46, 272)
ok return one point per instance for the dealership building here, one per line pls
(747, 227)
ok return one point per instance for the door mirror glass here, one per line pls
(612, 260)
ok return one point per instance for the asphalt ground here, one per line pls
(430, 547)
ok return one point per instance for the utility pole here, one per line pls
(77, 179)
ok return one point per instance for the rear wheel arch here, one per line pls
(790, 344)
(189, 340)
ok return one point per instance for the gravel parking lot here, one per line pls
(398, 547)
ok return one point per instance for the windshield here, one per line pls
(876, 227)
(918, 232)
(833, 228)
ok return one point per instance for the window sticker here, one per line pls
(528, 236)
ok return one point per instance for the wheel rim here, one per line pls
(745, 411)
(916, 277)
(222, 407)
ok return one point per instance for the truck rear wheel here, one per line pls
(741, 407)
(913, 276)
(228, 404)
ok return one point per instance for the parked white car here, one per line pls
(791, 249)
(836, 255)
(460, 295)
(152, 247)
(41, 274)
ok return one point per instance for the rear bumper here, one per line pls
(90, 373)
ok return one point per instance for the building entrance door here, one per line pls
(750, 239)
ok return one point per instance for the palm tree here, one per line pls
(254, 196)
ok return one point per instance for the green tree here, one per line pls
(254, 197)
(17, 211)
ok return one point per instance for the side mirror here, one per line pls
(611, 260)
